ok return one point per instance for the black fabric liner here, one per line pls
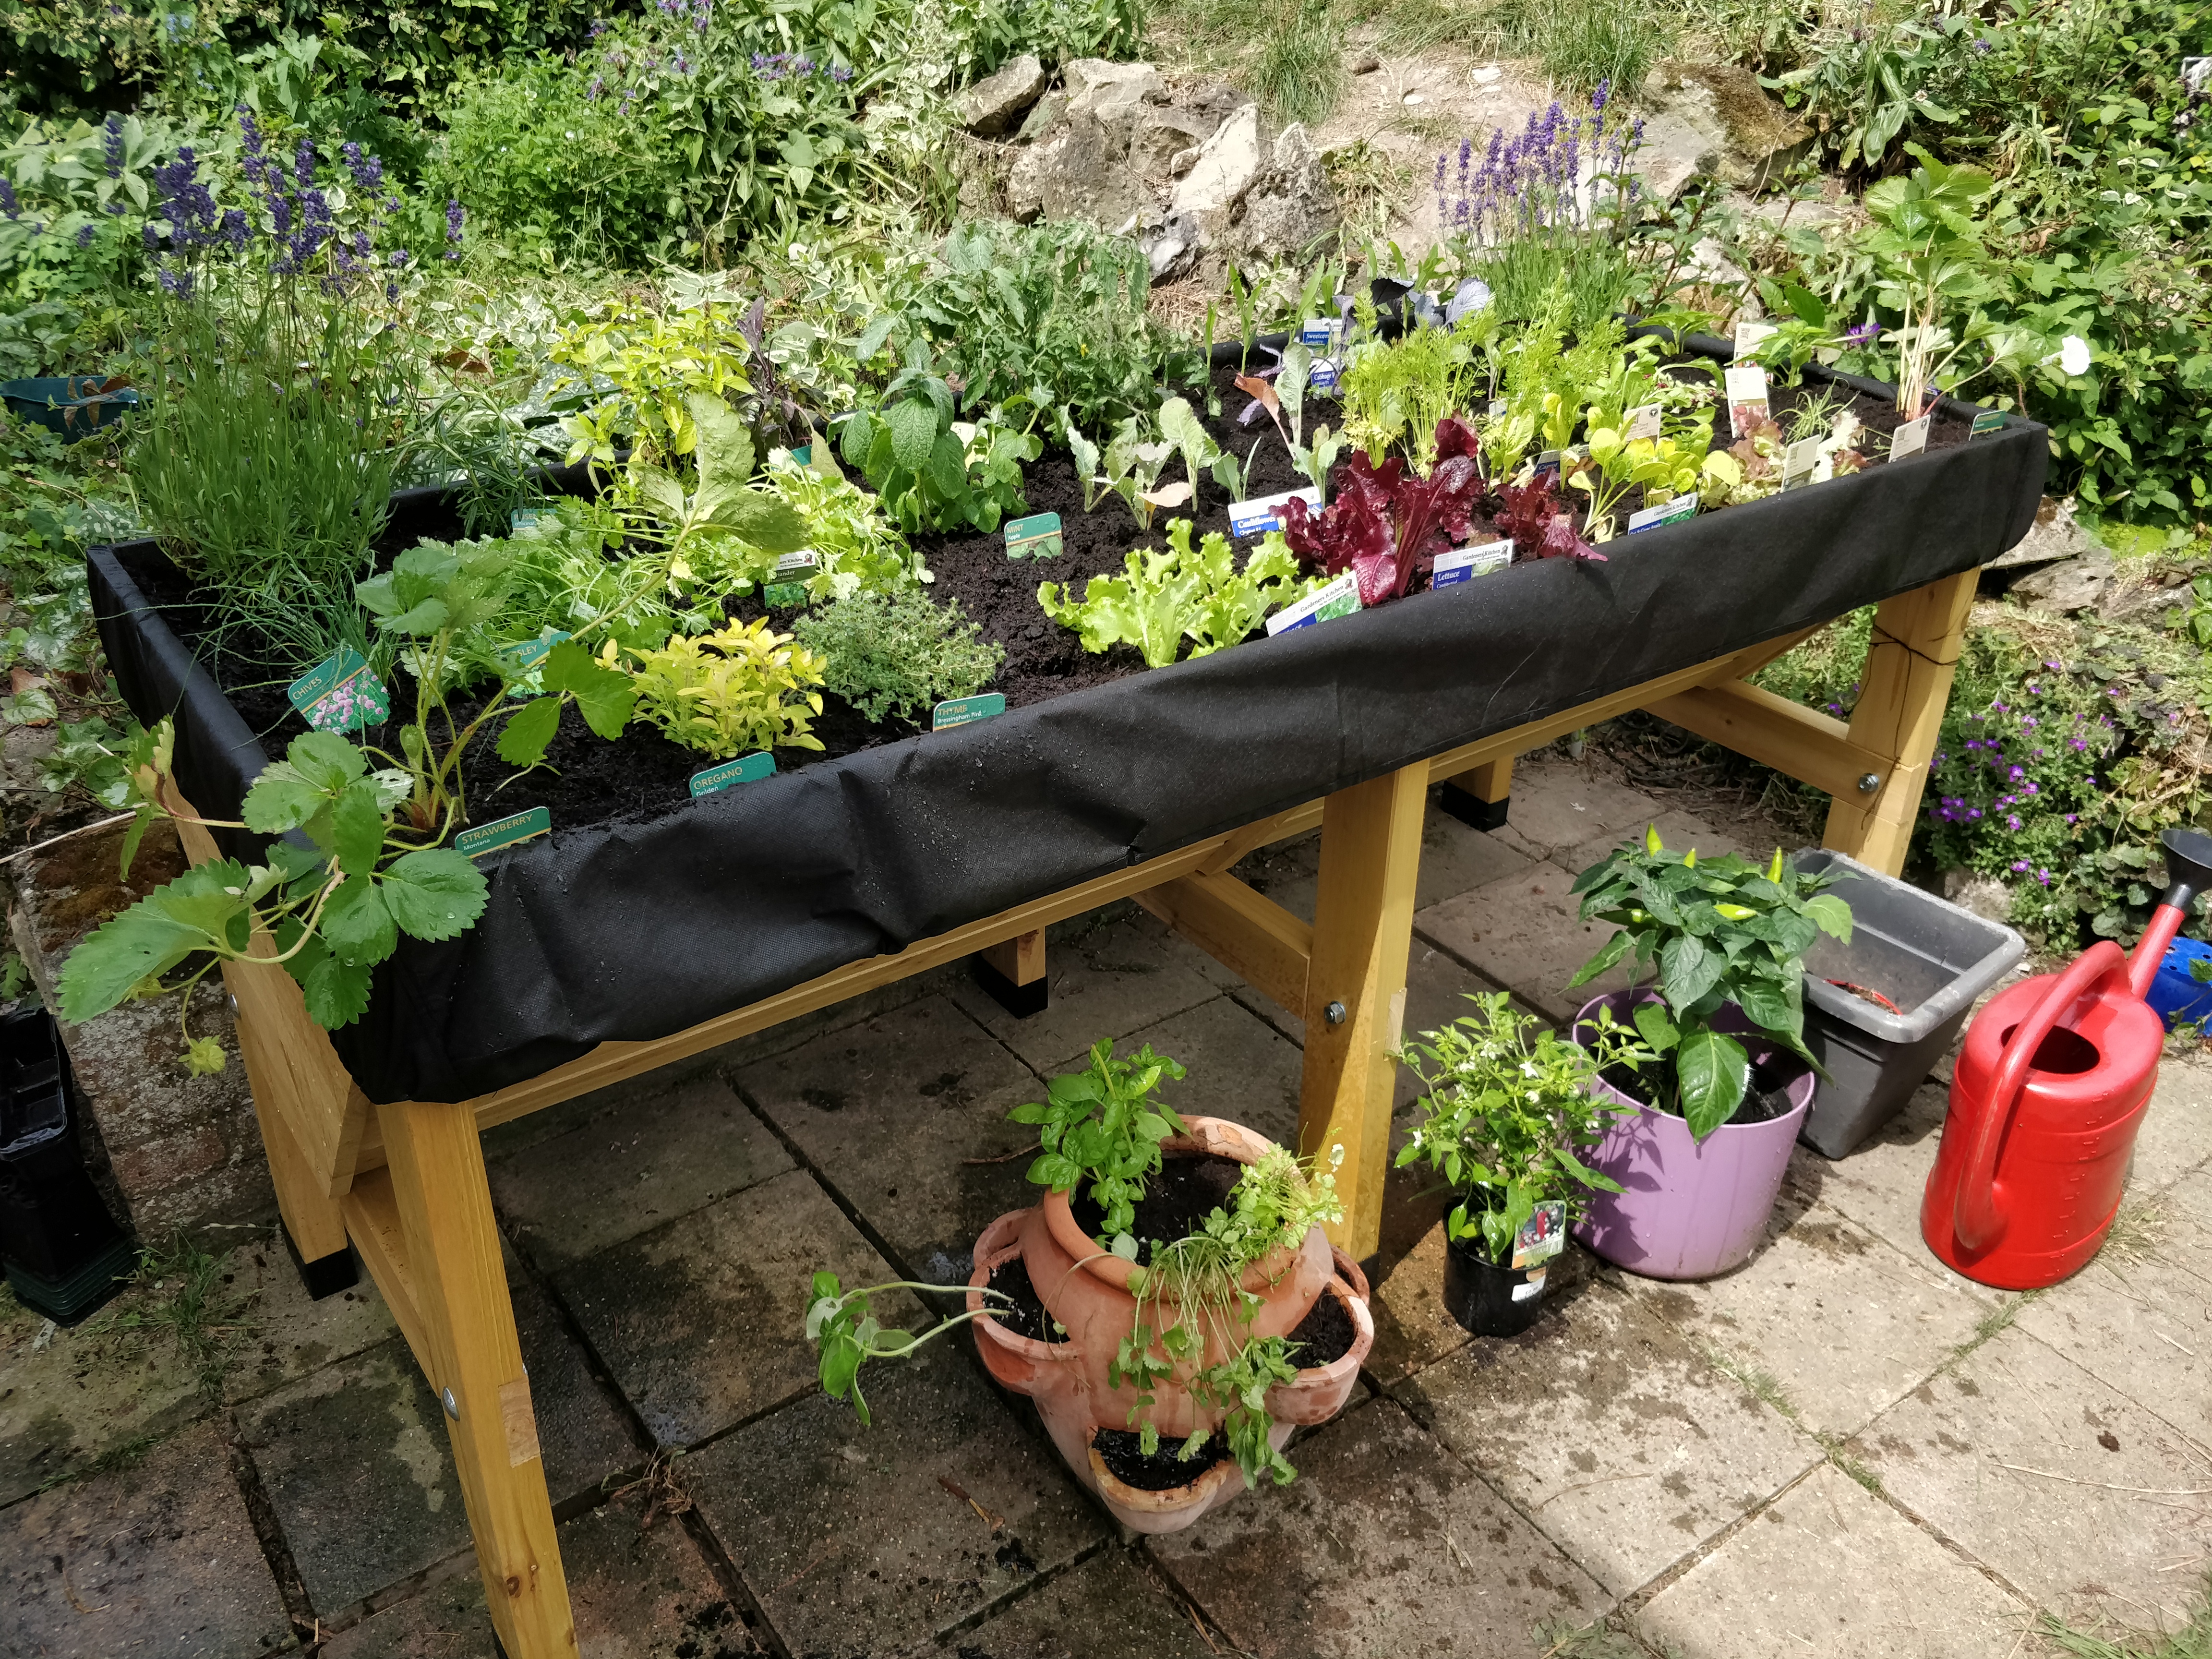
(627, 931)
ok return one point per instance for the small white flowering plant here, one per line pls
(1507, 1107)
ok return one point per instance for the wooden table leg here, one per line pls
(1013, 972)
(1481, 795)
(458, 1284)
(1371, 853)
(1899, 713)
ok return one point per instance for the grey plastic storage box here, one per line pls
(1926, 955)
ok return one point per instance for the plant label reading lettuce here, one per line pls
(503, 832)
(1542, 1236)
(966, 711)
(1909, 439)
(1642, 423)
(784, 596)
(805, 559)
(1988, 422)
(1682, 507)
(1799, 462)
(1321, 331)
(1548, 462)
(341, 695)
(746, 769)
(1339, 599)
(1464, 564)
(1264, 513)
(1748, 334)
(1746, 399)
(1036, 536)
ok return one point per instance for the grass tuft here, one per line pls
(2192, 1641)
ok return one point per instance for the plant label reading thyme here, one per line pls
(341, 695)
(1464, 564)
(1339, 599)
(1911, 438)
(1036, 536)
(1989, 420)
(1264, 513)
(1682, 507)
(1748, 334)
(1542, 1236)
(1642, 423)
(1746, 399)
(966, 711)
(1798, 462)
(746, 769)
(503, 832)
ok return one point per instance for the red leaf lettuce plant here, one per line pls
(1540, 526)
(1386, 521)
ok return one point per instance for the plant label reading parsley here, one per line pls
(1642, 423)
(341, 695)
(1464, 564)
(784, 596)
(1542, 1236)
(1037, 537)
(503, 832)
(1339, 599)
(1799, 461)
(746, 769)
(1988, 422)
(530, 655)
(1748, 334)
(966, 711)
(805, 559)
(1682, 507)
(1264, 513)
(1911, 438)
(1746, 399)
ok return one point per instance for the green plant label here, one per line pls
(746, 769)
(522, 517)
(805, 559)
(530, 655)
(784, 596)
(1339, 598)
(1542, 1236)
(1036, 536)
(1641, 423)
(1909, 439)
(966, 711)
(1463, 564)
(1264, 513)
(1682, 507)
(1799, 462)
(1989, 420)
(503, 832)
(1748, 334)
(1746, 399)
(341, 695)
(804, 454)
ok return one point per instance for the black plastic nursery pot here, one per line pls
(64, 1254)
(1489, 1297)
(642, 925)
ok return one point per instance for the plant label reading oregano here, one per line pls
(1911, 438)
(1642, 423)
(966, 711)
(784, 596)
(503, 832)
(1746, 384)
(1463, 564)
(1264, 513)
(1542, 1236)
(1339, 598)
(746, 769)
(1799, 462)
(341, 695)
(1682, 507)
(1988, 422)
(805, 559)
(1748, 334)
(1037, 537)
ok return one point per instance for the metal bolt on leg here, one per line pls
(1334, 1013)
(1869, 782)
(453, 1406)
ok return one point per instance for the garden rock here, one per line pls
(1227, 164)
(1741, 136)
(2057, 535)
(1161, 136)
(1290, 206)
(1982, 896)
(1171, 243)
(2070, 587)
(1047, 113)
(1110, 90)
(1674, 152)
(1083, 172)
(989, 108)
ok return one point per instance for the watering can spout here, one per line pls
(2188, 874)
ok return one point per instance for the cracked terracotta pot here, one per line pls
(1085, 1290)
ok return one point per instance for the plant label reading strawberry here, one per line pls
(1747, 399)
(1464, 564)
(503, 832)
(805, 559)
(1682, 507)
(1264, 513)
(1799, 462)
(1339, 598)
(966, 711)
(1542, 1236)
(1037, 537)
(1911, 438)
(341, 695)
(1988, 422)
(804, 455)
(1748, 334)
(746, 769)
(1642, 423)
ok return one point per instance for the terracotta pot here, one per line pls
(1085, 1289)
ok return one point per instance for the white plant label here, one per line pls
(1682, 507)
(1464, 564)
(1339, 598)
(1321, 377)
(1748, 334)
(1911, 438)
(805, 559)
(1642, 423)
(1531, 1287)
(1497, 408)
(1746, 396)
(1264, 513)
(1799, 462)
(1321, 331)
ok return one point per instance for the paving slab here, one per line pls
(700, 1322)
(1818, 1276)
(1679, 831)
(2080, 1499)
(1607, 1428)
(1879, 1185)
(636, 1593)
(1384, 1544)
(291, 1333)
(1524, 932)
(900, 1115)
(1113, 1606)
(1455, 859)
(158, 1558)
(2176, 1136)
(1562, 804)
(858, 1541)
(1830, 1571)
(626, 1172)
(1238, 1067)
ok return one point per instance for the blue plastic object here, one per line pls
(71, 406)
(2176, 995)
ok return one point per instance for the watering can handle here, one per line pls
(1974, 1218)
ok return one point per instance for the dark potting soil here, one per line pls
(1324, 1335)
(1189, 1187)
(1766, 1098)
(1026, 1315)
(644, 775)
(1122, 1451)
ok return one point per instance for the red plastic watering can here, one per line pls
(2045, 1100)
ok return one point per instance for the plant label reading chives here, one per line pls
(1989, 420)
(1264, 513)
(1321, 331)
(1464, 564)
(341, 695)
(1642, 423)
(805, 559)
(1746, 399)
(1682, 507)
(1542, 1236)
(1799, 461)
(1748, 334)
(1037, 537)
(503, 832)
(746, 769)
(1910, 439)
(966, 711)
(784, 596)
(1339, 599)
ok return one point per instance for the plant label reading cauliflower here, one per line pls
(746, 769)
(1339, 598)
(1463, 564)
(1911, 438)
(966, 711)
(503, 832)
(1542, 1236)
(341, 695)
(1682, 507)
(1264, 513)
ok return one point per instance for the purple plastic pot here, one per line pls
(1686, 1209)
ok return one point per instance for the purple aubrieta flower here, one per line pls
(303, 163)
(1861, 334)
(1983, 47)
(8, 205)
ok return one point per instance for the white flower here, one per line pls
(2074, 354)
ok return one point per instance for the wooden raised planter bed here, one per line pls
(814, 886)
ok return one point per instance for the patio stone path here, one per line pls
(1840, 1452)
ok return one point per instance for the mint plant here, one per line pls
(1102, 1124)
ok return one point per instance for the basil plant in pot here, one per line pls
(1510, 1109)
(1698, 1161)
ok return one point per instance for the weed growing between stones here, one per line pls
(184, 1293)
(2192, 1641)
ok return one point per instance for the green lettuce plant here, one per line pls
(1164, 597)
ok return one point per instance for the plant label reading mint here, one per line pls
(1339, 599)
(1799, 462)
(1036, 536)
(966, 711)
(784, 596)
(1909, 439)
(1989, 420)
(1464, 564)
(805, 559)
(746, 769)
(1542, 1236)
(1642, 423)
(1746, 399)
(1682, 507)
(1264, 513)
(1748, 334)
(503, 832)
(341, 695)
